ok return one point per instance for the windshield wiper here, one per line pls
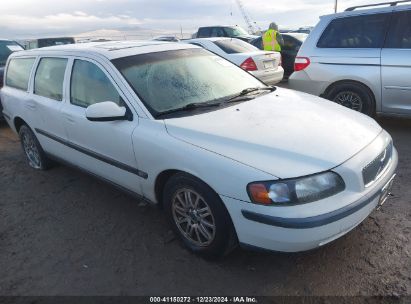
(189, 107)
(248, 91)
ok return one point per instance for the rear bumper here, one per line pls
(300, 81)
(270, 77)
(266, 228)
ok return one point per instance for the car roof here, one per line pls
(110, 50)
(368, 11)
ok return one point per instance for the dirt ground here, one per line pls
(63, 232)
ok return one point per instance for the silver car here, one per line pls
(360, 58)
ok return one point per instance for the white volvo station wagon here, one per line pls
(230, 159)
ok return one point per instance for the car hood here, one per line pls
(286, 133)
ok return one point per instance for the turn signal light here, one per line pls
(301, 63)
(259, 194)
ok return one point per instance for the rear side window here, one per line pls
(18, 73)
(49, 78)
(234, 46)
(204, 32)
(355, 32)
(399, 35)
(89, 85)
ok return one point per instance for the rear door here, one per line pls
(104, 148)
(396, 65)
(48, 99)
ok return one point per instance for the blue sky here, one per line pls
(58, 17)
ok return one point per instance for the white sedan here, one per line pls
(230, 159)
(266, 66)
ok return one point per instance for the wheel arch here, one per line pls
(18, 122)
(164, 176)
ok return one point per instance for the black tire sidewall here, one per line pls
(366, 97)
(222, 219)
(43, 159)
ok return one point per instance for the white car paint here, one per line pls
(280, 135)
(269, 76)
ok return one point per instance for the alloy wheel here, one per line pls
(31, 150)
(193, 217)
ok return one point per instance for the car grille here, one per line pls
(377, 167)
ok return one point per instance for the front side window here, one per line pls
(399, 35)
(49, 78)
(355, 32)
(235, 31)
(90, 85)
(18, 73)
(235, 46)
(170, 80)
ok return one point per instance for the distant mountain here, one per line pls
(131, 33)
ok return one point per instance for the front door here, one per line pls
(103, 148)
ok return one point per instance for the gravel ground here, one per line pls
(63, 232)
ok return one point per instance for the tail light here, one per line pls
(301, 63)
(249, 65)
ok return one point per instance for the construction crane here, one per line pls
(252, 26)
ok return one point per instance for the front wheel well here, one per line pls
(18, 122)
(161, 181)
(164, 177)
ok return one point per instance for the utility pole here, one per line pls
(336, 6)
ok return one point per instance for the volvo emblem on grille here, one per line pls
(382, 162)
(376, 168)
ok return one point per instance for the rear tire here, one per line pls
(198, 217)
(354, 96)
(36, 158)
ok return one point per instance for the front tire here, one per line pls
(198, 217)
(36, 158)
(354, 96)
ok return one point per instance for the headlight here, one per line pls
(296, 191)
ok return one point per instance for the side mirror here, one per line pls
(106, 111)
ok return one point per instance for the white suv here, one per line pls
(360, 58)
(229, 158)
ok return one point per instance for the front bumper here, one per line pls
(309, 226)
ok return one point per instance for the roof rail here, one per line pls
(395, 3)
